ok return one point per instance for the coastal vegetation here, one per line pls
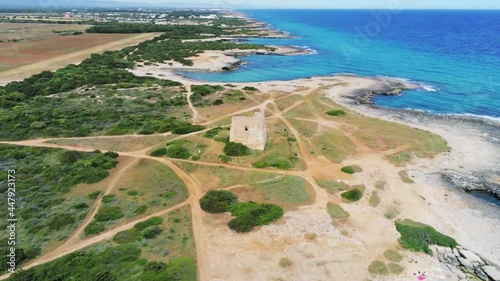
(351, 169)
(418, 236)
(374, 199)
(105, 262)
(236, 149)
(378, 268)
(336, 112)
(405, 177)
(48, 214)
(247, 215)
(354, 194)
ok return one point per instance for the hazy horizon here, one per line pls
(264, 4)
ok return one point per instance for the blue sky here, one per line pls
(360, 4)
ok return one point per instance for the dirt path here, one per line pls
(76, 57)
(75, 238)
(62, 251)
(196, 115)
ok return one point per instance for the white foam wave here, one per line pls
(420, 85)
(310, 51)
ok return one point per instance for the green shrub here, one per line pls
(94, 195)
(178, 269)
(140, 210)
(188, 129)
(151, 232)
(218, 102)
(225, 159)
(274, 162)
(80, 206)
(178, 152)
(351, 169)
(127, 236)
(218, 201)
(169, 194)
(108, 198)
(150, 222)
(417, 236)
(159, 152)
(236, 149)
(94, 228)
(249, 215)
(109, 213)
(132, 192)
(336, 112)
(353, 195)
(60, 220)
(212, 133)
(250, 88)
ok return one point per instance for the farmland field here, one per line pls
(27, 49)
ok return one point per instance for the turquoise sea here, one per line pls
(453, 55)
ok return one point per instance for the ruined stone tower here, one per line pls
(250, 131)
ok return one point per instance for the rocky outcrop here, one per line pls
(232, 66)
(467, 265)
(475, 182)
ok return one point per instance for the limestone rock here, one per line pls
(471, 256)
(481, 275)
(467, 264)
(492, 272)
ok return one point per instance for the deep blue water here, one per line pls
(454, 54)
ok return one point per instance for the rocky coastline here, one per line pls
(484, 179)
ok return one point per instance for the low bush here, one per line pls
(94, 228)
(108, 198)
(281, 163)
(59, 221)
(250, 88)
(159, 152)
(188, 129)
(353, 195)
(150, 222)
(249, 215)
(417, 236)
(395, 268)
(94, 195)
(405, 177)
(127, 236)
(132, 192)
(393, 256)
(178, 152)
(351, 169)
(374, 199)
(336, 112)
(212, 133)
(140, 210)
(151, 232)
(218, 201)
(236, 149)
(225, 159)
(109, 213)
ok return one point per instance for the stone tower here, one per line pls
(250, 131)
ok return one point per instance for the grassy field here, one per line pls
(382, 135)
(37, 43)
(285, 102)
(286, 191)
(175, 240)
(148, 187)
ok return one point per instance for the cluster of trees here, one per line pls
(248, 215)
(176, 50)
(122, 262)
(171, 31)
(47, 175)
(201, 91)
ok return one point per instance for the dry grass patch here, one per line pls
(378, 268)
(395, 268)
(381, 184)
(405, 177)
(286, 191)
(393, 256)
(374, 199)
(285, 262)
(336, 212)
(285, 102)
(332, 186)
